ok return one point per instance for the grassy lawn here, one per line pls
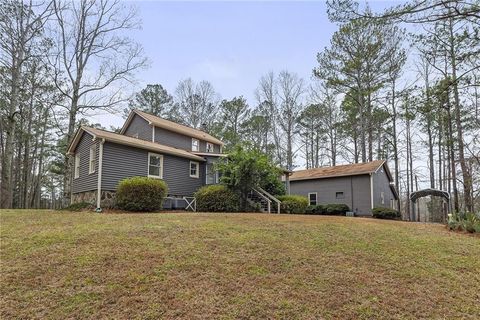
(202, 266)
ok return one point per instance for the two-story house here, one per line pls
(146, 146)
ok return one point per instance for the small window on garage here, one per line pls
(382, 195)
(312, 198)
(339, 195)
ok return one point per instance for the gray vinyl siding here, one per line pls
(381, 183)
(85, 181)
(356, 190)
(178, 140)
(139, 126)
(120, 162)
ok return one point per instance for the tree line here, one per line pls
(381, 89)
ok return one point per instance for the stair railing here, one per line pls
(269, 202)
(266, 194)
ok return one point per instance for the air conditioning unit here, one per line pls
(350, 214)
(168, 203)
(179, 203)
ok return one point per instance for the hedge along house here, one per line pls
(146, 146)
(361, 186)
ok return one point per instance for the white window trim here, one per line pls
(92, 156)
(198, 145)
(76, 173)
(212, 149)
(161, 165)
(190, 169)
(316, 198)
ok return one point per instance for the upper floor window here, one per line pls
(155, 165)
(312, 198)
(77, 165)
(195, 145)
(339, 195)
(194, 169)
(92, 163)
(209, 147)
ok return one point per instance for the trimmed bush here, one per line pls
(336, 209)
(141, 194)
(217, 198)
(385, 213)
(328, 209)
(293, 204)
(310, 209)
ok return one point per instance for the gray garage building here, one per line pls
(361, 186)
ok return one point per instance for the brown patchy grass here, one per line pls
(63, 265)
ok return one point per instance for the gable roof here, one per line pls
(172, 126)
(340, 171)
(129, 141)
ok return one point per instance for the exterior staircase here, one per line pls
(264, 201)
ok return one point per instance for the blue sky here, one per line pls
(230, 44)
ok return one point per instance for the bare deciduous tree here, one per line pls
(93, 59)
(196, 103)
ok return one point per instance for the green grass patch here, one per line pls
(61, 265)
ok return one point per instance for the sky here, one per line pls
(229, 44)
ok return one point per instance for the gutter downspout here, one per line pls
(371, 189)
(351, 191)
(99, 178)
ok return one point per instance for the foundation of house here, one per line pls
(107, 199)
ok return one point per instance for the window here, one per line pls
(194, 169)
(211, 174)
(195, 145)
(312, 198)
(339, 195)
(209, 147)
(382, 195)
(155, 165)
(92, 163)
(77, 165)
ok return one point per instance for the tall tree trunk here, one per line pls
(68, 160)
(452, 159)
(395, 142)
(467, 178)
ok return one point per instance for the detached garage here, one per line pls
(361, 186)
